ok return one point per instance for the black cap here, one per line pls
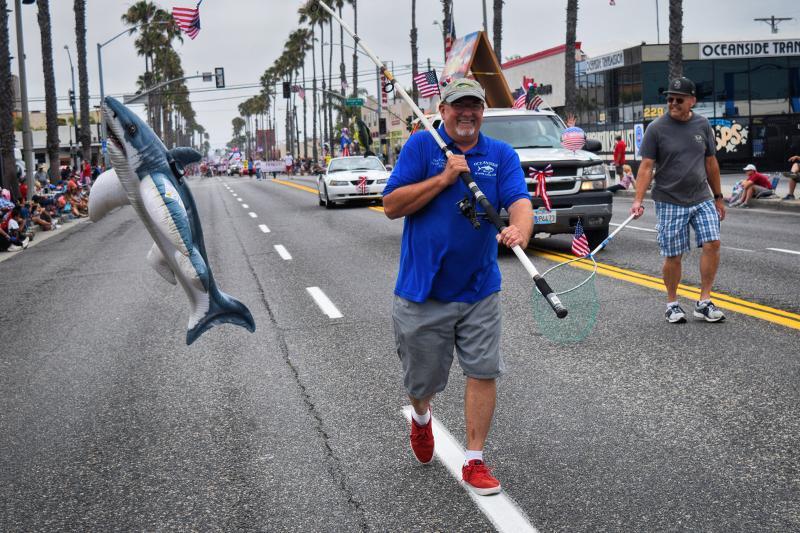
(681, 86)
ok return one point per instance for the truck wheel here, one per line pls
(596, 236)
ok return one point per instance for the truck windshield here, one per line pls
(527, 131)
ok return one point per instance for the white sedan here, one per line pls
(354, 178)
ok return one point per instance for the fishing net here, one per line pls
(573, 283)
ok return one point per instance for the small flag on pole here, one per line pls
(519, 103)
(580, 244)
(450, 36)
(300, 91)
(427, 83)
(535, 102)
(188, 19)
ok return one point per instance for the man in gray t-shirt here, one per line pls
(687, 192)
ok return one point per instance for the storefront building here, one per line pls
(749, 91)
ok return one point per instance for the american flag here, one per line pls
(188, 19)
(541, 188)
(362, 185)
(573, 138)
(300, 91)
(519, 103)
(535, 102)
(427, 83)
(580, 244)
(450, 36)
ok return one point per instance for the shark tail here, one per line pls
(222, 309)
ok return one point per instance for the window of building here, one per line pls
(654, 80)
(769, 85)
(732, 87)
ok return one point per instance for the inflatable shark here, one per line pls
(150, 178)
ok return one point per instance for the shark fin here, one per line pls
(222, 309)
(107, 195)
(159, 264)
(185, 156)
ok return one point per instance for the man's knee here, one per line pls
(711, 246)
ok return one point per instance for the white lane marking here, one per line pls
(252, 215)
(246, 206)
(283, 252)
(264, 228)
(324, 303)
(634, 227)
(501, 510)
(239, 200)
(234, 194)
(784, 251)
(738, 249)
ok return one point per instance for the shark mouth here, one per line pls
(114, 138)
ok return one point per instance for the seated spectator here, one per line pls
(12, 235)
(793, 175)
(626, 181)
(755, 184)
(41, 217)
(40, 178)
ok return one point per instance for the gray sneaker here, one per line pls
(708, 312)
(675, 314)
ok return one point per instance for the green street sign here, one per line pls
(354, 102)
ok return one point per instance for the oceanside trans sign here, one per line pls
(606, 62)
(730, 50)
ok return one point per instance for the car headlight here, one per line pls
(337, 183)
(593, 185)
(382, 181)
(594, 171)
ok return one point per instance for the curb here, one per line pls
(791, 206)
(44, 235)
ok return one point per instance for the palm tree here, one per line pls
(569, 57)
(413, 35)
(675, 39)
(314, 17)
(497, 29)
(9, 176)
(83, 78)
(50, 102)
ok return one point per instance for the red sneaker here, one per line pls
(477, 476)
(422, 441)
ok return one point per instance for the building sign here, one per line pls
(731, 135)
(606, 62)
(730, 50)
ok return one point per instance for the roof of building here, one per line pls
(539, 55)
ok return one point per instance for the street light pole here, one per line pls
(27, 137)
(72, 103)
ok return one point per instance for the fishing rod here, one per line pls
(491, 212)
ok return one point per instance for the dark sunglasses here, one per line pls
(672, 99)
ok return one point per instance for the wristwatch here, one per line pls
(718, 196)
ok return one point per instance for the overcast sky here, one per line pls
(246, 36)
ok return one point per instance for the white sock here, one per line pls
(422, 420)
(670, 304)
(471, 455)
(703, 303)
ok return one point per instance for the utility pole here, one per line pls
(773, 21)
(27, 136)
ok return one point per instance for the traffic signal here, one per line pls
(382, 126)
(219, 74)
(71, 98)
(287, 91)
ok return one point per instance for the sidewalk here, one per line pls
(774, 202)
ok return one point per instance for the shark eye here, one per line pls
(131, 129)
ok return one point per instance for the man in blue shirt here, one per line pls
(446, 297)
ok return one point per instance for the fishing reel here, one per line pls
(467, 208)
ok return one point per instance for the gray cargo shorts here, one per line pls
(426, 334)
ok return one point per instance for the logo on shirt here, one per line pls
(438, 163)
(484, 168)
(699, 139)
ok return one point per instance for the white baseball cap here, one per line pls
(751, 166)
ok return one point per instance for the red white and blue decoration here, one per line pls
(541, 188)
(573, 138)
(580, 244)
(362, 185)
(188, 19)
(345, 141)
(427, 83)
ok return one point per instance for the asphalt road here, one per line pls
(109, 422)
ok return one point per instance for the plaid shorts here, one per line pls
(674, 221)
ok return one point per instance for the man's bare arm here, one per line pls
(643, 179)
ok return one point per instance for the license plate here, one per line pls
(542, 216)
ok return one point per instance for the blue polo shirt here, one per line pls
(442, 256)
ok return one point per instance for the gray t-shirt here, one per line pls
(679, 150)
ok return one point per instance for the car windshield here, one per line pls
(355, 163)
(525, 131)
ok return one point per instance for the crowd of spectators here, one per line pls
(51, 202)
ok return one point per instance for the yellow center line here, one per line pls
(725, 301)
